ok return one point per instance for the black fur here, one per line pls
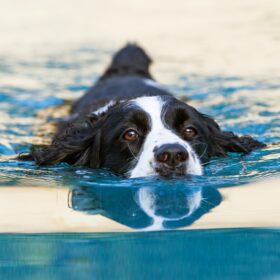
(122, 80)
(130, 60)
(96, 141)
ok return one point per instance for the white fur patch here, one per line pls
(158, 136)
(146, 200)
(105, 108)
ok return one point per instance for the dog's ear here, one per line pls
(222, 142)
(76, 143)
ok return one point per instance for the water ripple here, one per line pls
(29, 84)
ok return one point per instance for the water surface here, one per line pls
(222, 57)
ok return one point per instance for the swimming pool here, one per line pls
(31, 84)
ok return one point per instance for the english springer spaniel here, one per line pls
(130, 124)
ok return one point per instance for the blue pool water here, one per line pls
(242, 105)
(34, 83)
(202, 254)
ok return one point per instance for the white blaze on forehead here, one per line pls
(158, 136)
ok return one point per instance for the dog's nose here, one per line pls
(171, 154)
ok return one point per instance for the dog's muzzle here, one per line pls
(171, 160)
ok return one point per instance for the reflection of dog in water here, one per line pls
(152, 208)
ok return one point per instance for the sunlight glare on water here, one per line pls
(221, 56)
(237, 104)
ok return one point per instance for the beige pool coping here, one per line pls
(45, 209)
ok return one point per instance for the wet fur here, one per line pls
(79, 139)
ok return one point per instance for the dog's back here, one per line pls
(128, 76)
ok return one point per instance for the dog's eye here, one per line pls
(130, 135)
(189, 133)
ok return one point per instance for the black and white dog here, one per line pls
(131, 125)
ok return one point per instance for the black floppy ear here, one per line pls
(76, 143)
(222, 142)
(227, 141)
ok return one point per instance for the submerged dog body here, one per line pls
(131, 125)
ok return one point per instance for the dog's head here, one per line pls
(157, 135)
